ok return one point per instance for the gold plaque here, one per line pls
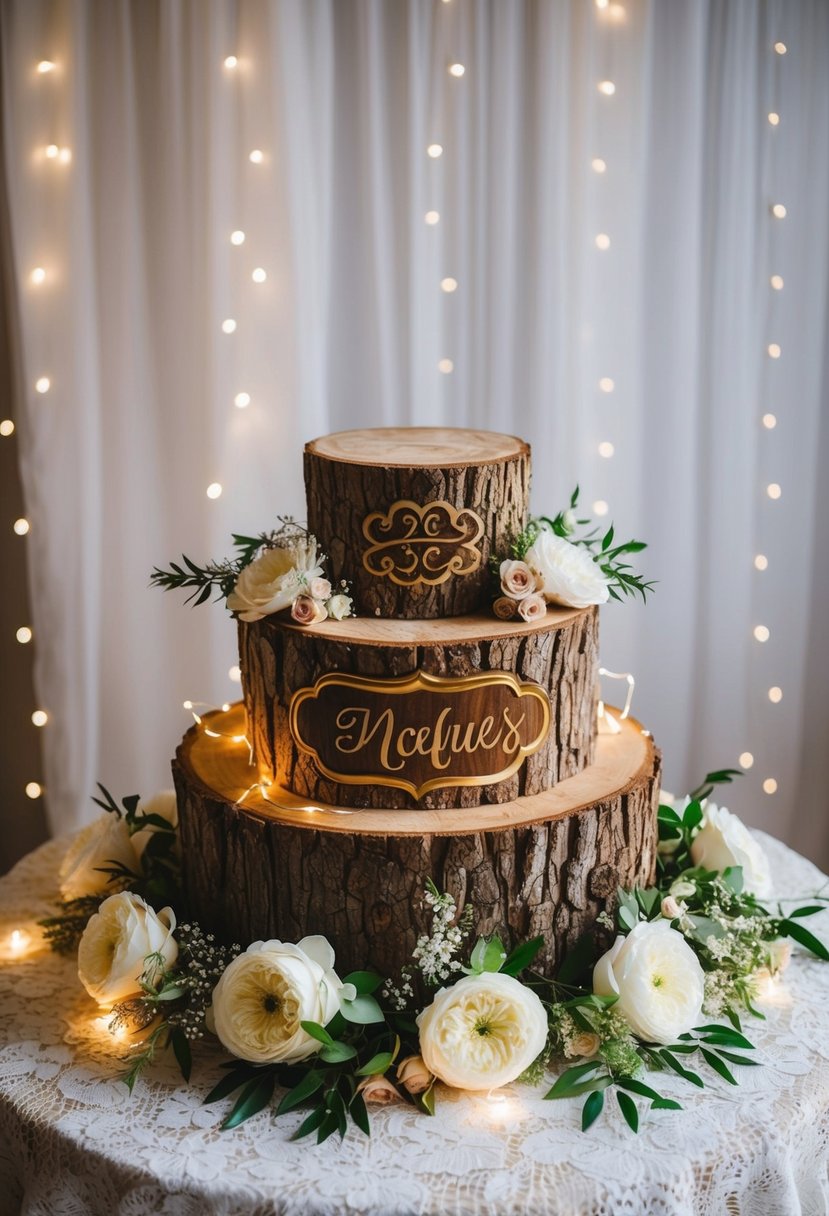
(420, 732)
(412, 545)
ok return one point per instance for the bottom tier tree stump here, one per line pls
(260, 863)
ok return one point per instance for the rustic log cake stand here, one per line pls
(411, 515)
(260, 862)
(557, 655)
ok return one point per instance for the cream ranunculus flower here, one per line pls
(116, 941)
(723, 840)
(657, 978)
(265, 993)
(566, 573)
(274, 579)
(164, 805)
(101, 843)
(482, 1032)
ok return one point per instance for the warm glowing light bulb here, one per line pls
(774, 119)
(776, 281)
(606, 384)
(64, 156)
(773, 350)
(602, 241)
(226, 707)
(606, 449)
(761, 633)
(6, 428)
(18, 941)
(761, 562)
(235, 674)
(257, 156)
(214, 490)
(43, 384)
(769, 421)
(228, 326)
(21, 526)
(432, 217)
(449, 284)
(40, 717)
(446, 366)
(456, 69)
(259, 275)
(600, 507)
(187, 704)
(778, 211)
(434, 150)
(602, 3)
(24, 635)
(46, 65)
(773, 490)
(746, 760)
(775, 694)
(237, 237)
(607, 87)
(598, 165)
(780, 48)
(52, 151)
(33, 790)
(241, 400)
(231, 61)
(769, 786)
(38, 275)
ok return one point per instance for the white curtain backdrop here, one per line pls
(130, 215)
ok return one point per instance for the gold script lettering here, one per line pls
(512, 739)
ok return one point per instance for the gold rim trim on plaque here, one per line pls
(426, 551)
(420, 681)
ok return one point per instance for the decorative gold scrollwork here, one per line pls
(412, 544)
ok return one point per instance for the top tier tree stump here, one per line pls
(410, 516)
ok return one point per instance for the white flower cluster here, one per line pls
(289, 576)
(204, 960)
(436, 952)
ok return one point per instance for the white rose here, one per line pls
(162, 804)
(116, 941)
(566, 573)
(722, 841)
(584, 1044)
(265, 993)
(99, 844)
(657, 978)
(482, 1032)
(339, 607)
(274, 579)
(319, 588)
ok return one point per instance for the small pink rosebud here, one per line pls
(378, 1089)
(532, 608)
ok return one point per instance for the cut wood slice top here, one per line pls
(479, 627)
(220, 762)
(418, 447)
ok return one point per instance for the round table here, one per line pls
(73, 1142)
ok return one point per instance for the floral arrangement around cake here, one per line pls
(561, 559)
(687, 960)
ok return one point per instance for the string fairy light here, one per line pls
(23, 635)
(457, 70)
(602, 241)
(606, 449)
(606, 87)
(606, 384)
(432, 218)
(445, 366)
(37, 276)
(43, 384)
(434, 151)
(33, 790)
(746, 760)
(21, 526)
(214, 490)
(259, 275)
(45, 66)
(256, 156)
(40, 717)
(241, 401)
(228, 326)
(449, 285)
(598, 165)
(769, 421)
(237, 237)
(6, 428)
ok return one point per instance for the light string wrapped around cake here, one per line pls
(464, 1012)
(555, 561)
(275, 572)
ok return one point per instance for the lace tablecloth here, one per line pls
(73, 1142)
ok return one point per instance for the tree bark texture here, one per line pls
(342, 495)
(249, 878)
(277, 659)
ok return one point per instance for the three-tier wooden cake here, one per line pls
(420, 739)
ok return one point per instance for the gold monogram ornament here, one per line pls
(420, 732)
(413, 545)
